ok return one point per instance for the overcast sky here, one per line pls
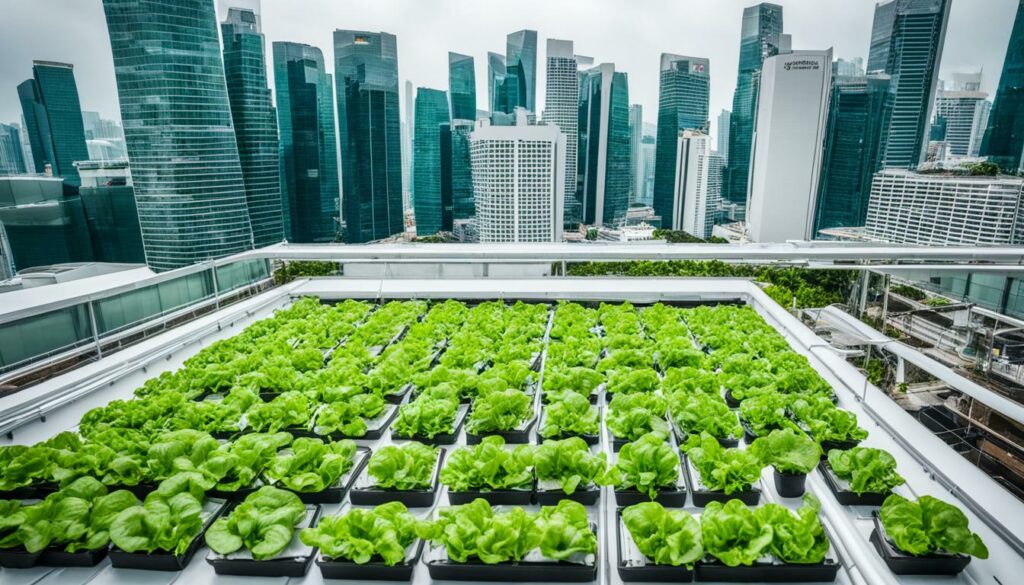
(630, 33)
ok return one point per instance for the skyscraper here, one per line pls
(184, 158)
(497, 95)
(857, 114)
(308, 155)
(561, 108)
(848, 68)
(916, 32)
(407, 112)
(431, 115)
(636, 135)
(462, 86)
(53, 115)
(724, 118)
(245, 71)
(603, 167)
(691, 206)
(366, 74)
(791, 112)
(521, 70)
(964, 116)
(12, 161)
(517, 182)
(1004, 139)
(760, 38)
(683, 95)
(456, 173)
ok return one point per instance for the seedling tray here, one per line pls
(702, 497)
(514, 437)
(58, 557)
(551, 572)
(374, 496)
(587, 497)
(291, 566)
(840, 488)
(711, 569)
(521, 497)
(903, 564)
(161, 561)
(335, 493)
(18, 558)
(639, 567)
(397, 397)
(442, 439)
(375, 570)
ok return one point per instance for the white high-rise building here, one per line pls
(406, 132)
(716, 174)
(724, 119)
(965, 116)
(518, 182)
(945, 209)
(786, 154)
(561, 102)
(636, 136)
(690, 205)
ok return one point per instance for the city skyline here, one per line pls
(843, 24)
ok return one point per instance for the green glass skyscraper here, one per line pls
(760, 38)
(369, 123)
(683, 96)
(309, 162)
(431, 115)
(456, 173)
(178, 130)
(604, 160)
(497, 95)
(462, 86)
(12, 158)
(858, 114)
(53, 117)
(1004, 140)
(245, 70)
(521, 70)
(916, 32)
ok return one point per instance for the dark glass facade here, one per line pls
(603, 165)
(53, 116)
(684, 91)
(521, 70)
(1004, 139)
(245, 70)
(881, 36)
(759, 39)
(308, 155)
(369, 123)
(178, 128)
(456, 173)
(497, 95)
(858, 112)
(462, 86)
(12, 158)
(431, 114)
(44, 224)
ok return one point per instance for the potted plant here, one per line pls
(792, 455)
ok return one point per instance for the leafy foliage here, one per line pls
(502, 410)
(570, 463)
(570, 414)
(311, 465)
(787, 451)
(427, 416)
(361, 535)
(867, 470)
(929, 525)
(727, 470)
(796, 538)
(631, 416)
(407, 467)
(646, 464)
(733, 533)
(488, 465)
(667, 537)
(264, 524)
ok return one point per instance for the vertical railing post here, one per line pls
(216, 284)
(95, 330)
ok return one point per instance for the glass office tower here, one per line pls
(178, 129)
(308, 156)
(456, 173)
(366, 74)
(521, 70)
(12, 158)
(683, 95)
(881, 37)
(431, 115)
(760, 38)
(245, 71)
(462, 86)
(1004, 140)
(497, 95)
(603, 167)
(915, 37)
(858, 114)
(53, 116)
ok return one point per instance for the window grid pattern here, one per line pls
(514, 186)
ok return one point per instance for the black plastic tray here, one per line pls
(768, 572)
(371, 434)
(29, 492)
(284, 567)
(161, 561)
(398, 397)
(846, 497)
(443, 438)
(551, 572)
(516, 437)
(335, 493)
(590, 440)
(18, 558)
(727, 442)
(702, 498)
(372, 571)
(494, 497)
(587, 497)
(669, 498)
(827, 446)
(903, 564)
(374, 496)
(58, 557)
(651, 573)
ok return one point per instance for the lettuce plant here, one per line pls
(311, 465)
(796, 538)
(565, 531)
(264, 524)
(406, 467)
(289, 410)
(647, 464)
(733, 533)
(825, 421)
(169, 520)
(631, 416)
(929, 526)
(691, 380)
(667, 537)
(627, 381)
(176, 451)
(237, 464)
(570, 414)
(361, 535)
(788, 451)
(502, 410)
(765, 412)
(704, 413)
(426, 416)
(488, 465)
(348, 417)
(867, 470)
(721, 469)
(679, 353)
(570, 463)
(577, 379)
